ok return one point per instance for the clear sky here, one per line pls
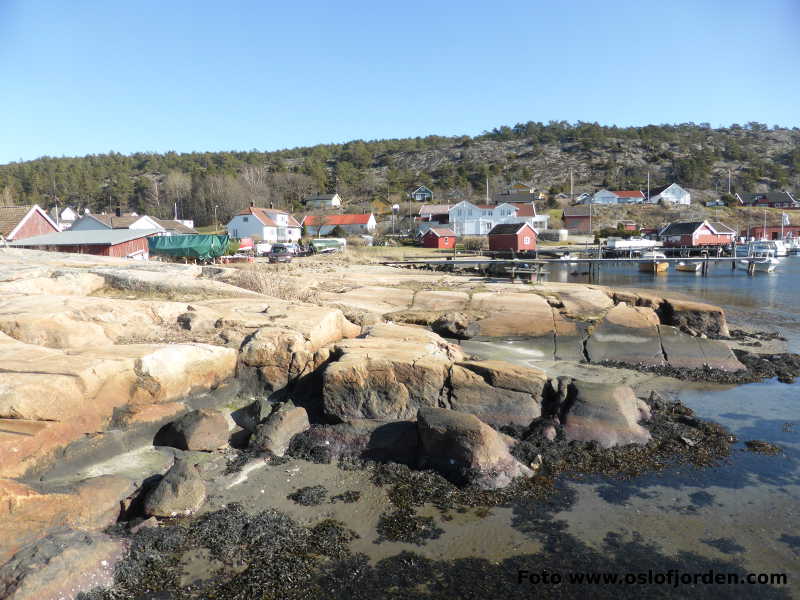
(89, 76)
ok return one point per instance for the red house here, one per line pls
(695, 234)
(439, 237)
(774, 232)
(20, 222)
(518, 237)
(120, 243)
(576, 218)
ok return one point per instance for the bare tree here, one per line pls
(177, 188)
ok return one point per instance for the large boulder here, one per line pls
(497, 392)
(604, 413)
(202, 429)
(62, 565)
(180, 492)
(627, 334)
(466, 450)
(694, 317)
(387, 375)
(281, 426)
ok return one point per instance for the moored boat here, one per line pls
(656, 266)
(690, 267)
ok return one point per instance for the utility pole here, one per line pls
(487, 189)
(729, 182)
(648, 186)
(571, 187)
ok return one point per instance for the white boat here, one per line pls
(777, 248)
(691, 267)
(763, 262)
(633, 243)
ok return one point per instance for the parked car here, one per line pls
(280, 253)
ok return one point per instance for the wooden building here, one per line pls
(519, 237)
(576, 218)
(20, 222)
(775, 232)
(439, 237)
(119, 243)
(694, 234)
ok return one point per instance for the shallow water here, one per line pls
(746, 510)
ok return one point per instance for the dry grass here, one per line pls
(276, 280)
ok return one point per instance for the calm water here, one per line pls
(770, 299)
(746, 510)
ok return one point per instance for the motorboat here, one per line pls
(654, 265)
(763, 262)
(778, 248)
(689, 267)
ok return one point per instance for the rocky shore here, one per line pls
(220, 385)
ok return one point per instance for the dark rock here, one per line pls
(180, 491)
(61, 565)
(309, 495)
(366, 439)
(456, 325)
(281, 426)
(465, 450)
(761, 447)
(203, 429)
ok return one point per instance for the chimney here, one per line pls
(118, 212)
(270, 205)
(252, 204)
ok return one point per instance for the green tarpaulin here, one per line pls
(204, 247)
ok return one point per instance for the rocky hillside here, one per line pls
(374, 174)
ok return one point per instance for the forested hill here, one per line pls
(375, 173)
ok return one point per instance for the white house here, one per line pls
(324, 201)
(353, 224)
(422, 194)
(672, 194)
(264, 224)
(64, 218)
(618, 197)
(466, 218)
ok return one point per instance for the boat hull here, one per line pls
(653, 267)
(689, 268)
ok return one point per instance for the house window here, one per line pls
(245, 219)
(526, 240)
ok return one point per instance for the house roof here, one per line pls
(10, 216)
(421, 187)
(90, 237)
(435, 209)
(579, 210)
(176, 226)
(510, 228)
(441, 232)
(524, 209)
(267, 215)
(628, 193)
(768, 196)
(320, 197)
(338, 219)
(721, 227)
(114, 222)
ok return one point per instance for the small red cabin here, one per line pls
(439, 237)
(518, 237)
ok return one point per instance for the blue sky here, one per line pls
(83, 76)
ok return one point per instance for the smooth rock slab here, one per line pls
(61, 566)
(688, 352)
(629, 335)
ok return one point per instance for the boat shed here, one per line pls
(120, 243)
(439, 237)
(519, 237)
(694, 234)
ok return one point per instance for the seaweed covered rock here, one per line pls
(368, 439)
(605, 413)
(180, 491)
(203, 429)
(466, 450)
(275, 434)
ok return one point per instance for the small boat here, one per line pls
(691, 267)
(763, 262)
(655, 266)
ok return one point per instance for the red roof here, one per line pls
(339, 219)
(266, 216)
(624, 194)
(524, 209)
(441, 232)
